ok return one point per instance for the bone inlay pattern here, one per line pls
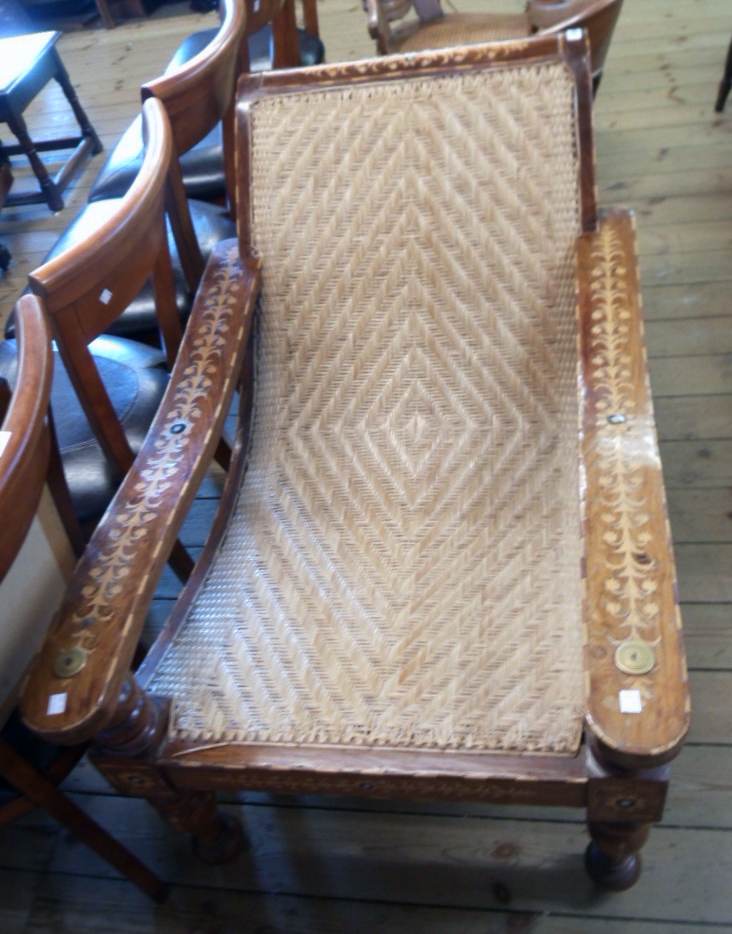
(406, 547)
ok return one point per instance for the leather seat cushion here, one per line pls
(211, 224)
(135, 376)
(202, 166)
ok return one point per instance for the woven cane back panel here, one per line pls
(403, 568)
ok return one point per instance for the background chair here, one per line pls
(31, 770)
(196, 96)
(107, 389)
(392, 600)
(725, 84)
(270, 40)
(410, 25)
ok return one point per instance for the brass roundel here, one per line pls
(635, 657)
(70, 662)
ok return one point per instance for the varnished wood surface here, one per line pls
(339, 865)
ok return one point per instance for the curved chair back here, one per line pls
(24, 434)
(41, 553)
(199, 94)
(85, 288)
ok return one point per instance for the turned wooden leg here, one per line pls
(62, 76)
(125, 755)
(612, 857)
(217, 836)
(49, 189)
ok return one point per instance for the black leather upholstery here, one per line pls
(202, 166)
(211, 224)
(135, 376)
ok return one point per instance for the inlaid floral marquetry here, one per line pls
(633, 649)
(119, 566)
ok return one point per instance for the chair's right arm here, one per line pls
(637, 704)
(74, 686)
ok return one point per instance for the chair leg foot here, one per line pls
(610, 873)
(226, 847)
(612, 857)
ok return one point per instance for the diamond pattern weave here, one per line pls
(403, 568)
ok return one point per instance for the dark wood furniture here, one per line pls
(197, 95)
(30, 770)
(410, 25)
(442, 564)
(27, 64)
(6, 181)
(725, 84)
(107, 388)
(271, 39)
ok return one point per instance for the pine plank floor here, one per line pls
(335, 865)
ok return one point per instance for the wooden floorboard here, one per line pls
(336, 865)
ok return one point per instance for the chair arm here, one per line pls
(637, 705)
(99, 622)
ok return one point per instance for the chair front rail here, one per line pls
(636, 680)
(104, 609)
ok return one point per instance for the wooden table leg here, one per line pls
(62, 76)
(49, 189)
(725, 84)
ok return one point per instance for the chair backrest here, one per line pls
(24, 435)
(416, 219)
(199, 93)
(85, 288)
(197, 96)
(35, 559)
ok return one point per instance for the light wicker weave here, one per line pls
(458, 29)
(403, 567)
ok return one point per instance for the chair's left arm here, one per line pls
(637, 705)
(74, 686)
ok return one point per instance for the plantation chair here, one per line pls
(442, 567)
(412, 25)
(35, 557)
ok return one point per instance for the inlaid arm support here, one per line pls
(637, 687)
(74, 685)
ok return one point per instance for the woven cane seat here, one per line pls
(403, 565)
(458, 29)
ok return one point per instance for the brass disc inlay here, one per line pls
(70, 662)
(635, 657)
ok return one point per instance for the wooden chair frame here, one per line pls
(196, 97)
(127, 249)
(633, 646)
(25, 465)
